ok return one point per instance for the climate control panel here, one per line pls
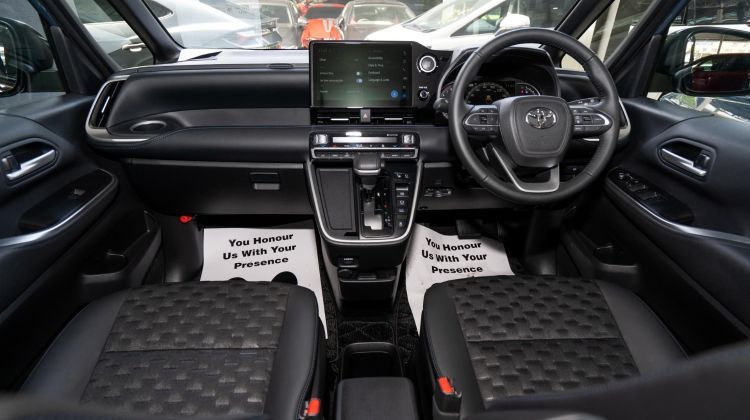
(350, 144)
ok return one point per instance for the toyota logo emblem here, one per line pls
(541, 118)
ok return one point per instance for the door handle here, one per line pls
(15, 170)
(134, 47)
(697, 166)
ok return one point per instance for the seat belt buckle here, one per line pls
(312, 409)
(447, 400)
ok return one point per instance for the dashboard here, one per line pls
(254, 128)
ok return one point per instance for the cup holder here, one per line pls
(376, 359)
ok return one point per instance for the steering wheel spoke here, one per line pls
(589, 121)
(550, 182)
(482, 121)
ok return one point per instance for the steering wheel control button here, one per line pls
(483, 120)
(427, 64)
(589, 122)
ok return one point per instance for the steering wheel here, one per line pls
(526, 137)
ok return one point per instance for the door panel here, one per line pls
(58, 221)
(709, 238)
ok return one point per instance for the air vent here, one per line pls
(352, 117)
(103, 105)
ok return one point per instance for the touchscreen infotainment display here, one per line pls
(360, 75)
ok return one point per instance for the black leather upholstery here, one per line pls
(501, 337)
(376, 398)
(188, 349)
(709, 386)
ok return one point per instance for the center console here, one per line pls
(364, 165)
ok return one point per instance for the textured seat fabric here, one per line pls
(501, 337)
(188, 349)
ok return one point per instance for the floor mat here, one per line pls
(435, 258)
(260, 254)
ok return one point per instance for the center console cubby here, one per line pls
(372, 385)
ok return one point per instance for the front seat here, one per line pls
(500, 338)
(203, 349)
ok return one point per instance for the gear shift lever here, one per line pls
(367, 167)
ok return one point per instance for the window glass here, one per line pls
(379, 13)
(27, 66)
(280, 13)
(705, 62)
(323, 12)
(609, 31)
(486, 23)
(275, 24)
(115, 37)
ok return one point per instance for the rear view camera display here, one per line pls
(360, 75)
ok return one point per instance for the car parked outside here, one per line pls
(363, 17)
(286, 15)
(463, 24)
(192, 23)
(320, 23)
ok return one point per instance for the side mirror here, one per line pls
(513, 21)
(340, 22)
(24, 53)
(708, 61)
(8, 68)
(302, 22)
(716, 75)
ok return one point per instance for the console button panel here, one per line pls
(347, 145)
(652, 198)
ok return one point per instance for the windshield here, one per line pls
(380, 13)
(292, 24)
(445, 14)
(324, 12)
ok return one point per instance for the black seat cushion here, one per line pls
(188, 349)
(500, 337)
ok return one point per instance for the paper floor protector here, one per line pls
(434, 258)
(261, 254)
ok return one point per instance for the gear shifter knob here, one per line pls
(367, 167)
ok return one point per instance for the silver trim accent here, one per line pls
(552, 185)
(52, 230)
(682, 162)
(367, 172)
(538, 118)
(362, 241)
(421, 67)
(102, 134)
(677, 227)
(147, 122)
(32, 165)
